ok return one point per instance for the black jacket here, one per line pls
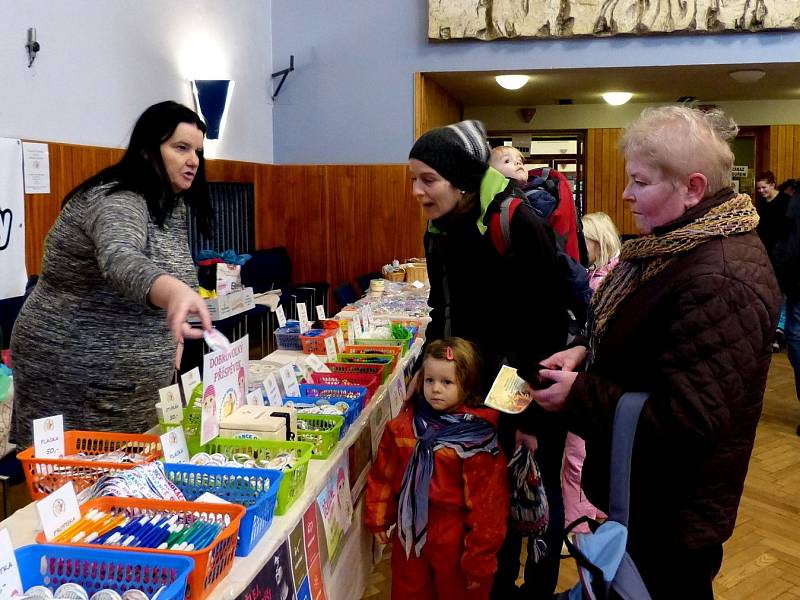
(785, 254)
(514, 307)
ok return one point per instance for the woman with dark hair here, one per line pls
(92, 341)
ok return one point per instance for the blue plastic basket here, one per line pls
(355, 393)
(349, 417)
(237, 485)
(95, 569)
(288, 336)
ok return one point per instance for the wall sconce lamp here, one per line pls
(211, 98)
(32, 46)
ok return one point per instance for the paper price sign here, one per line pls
(330, 349)
(320, 312)
(289, 380)
(10, 581)
(302, 313)
(58, 511)
(364, 318)
(271, 388)
(48, 437)
(174, 445)
(356, 326)
(255, 398)
(171, 405)
(189, 381)
(281, 316)
(339, 341)
(315, 364)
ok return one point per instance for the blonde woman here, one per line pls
(688, 315)
(603, 246)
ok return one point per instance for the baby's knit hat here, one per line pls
(458, 152)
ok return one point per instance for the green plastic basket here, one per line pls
(402, 342)
(370, 359)
(323, 432)
(191, 422)
(294, 478)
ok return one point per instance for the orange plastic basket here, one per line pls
(313, 341)
(211, 563)
(45, 475)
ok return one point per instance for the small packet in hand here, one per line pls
(216, 340)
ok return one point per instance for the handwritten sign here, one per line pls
(58, 511)
(320, 312)
(189, 381)
(171, 405)
(281, 316)
(315, 364)
(48, 437)
(174, 445)
(330, 350)
(289, 380)
(302, 316)
(340, 340)
(271, 388)
(10, 582)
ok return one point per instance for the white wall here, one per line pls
(587, 116)
(103, 62)
(351, 98)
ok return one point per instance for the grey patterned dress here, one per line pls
(87, 343)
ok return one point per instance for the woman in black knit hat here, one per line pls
(511, 304)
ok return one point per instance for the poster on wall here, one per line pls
(13, 276)
(336, 507)
(297, 549)
(224, 386)
(313, 558)
(274, 581)
(36, 167)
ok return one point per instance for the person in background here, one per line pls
(786, 261)
(512, 306)
(97, 337)
(772, 204)
(603, 244)
(439, 475)
(688, 315)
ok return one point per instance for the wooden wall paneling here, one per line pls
(605, 178)
(433, 106)
(784, 151)
(293, 212)
(374, 219)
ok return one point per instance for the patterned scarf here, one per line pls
(643, 258)
(463, 432)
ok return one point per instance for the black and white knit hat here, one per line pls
(458, 152)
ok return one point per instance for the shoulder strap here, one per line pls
(500, 225)
(626, 417)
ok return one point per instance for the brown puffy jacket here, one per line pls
(698, 336)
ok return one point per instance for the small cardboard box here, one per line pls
(255, 422)
(231, 304)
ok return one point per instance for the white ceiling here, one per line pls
(707, 83)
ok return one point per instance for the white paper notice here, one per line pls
(273, 393)
(339, 342)
(48, 437)
(58, 511)
(36, 165)
(13, 275)
(356, 326)
(174, 445)
(320, 312)
(10, 581)
(315, 364)
(289, 380)
(255, 398)
(171, 405)
(302, 316)
(189, 381)
(330, 350)
(281, 316)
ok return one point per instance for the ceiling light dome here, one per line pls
(617, 98)
(747, 75)
(511, 82)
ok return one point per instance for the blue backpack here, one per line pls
(603, 563)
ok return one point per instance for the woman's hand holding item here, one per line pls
(526, 439)
(180, 301)
(553, 397)
(566, 360)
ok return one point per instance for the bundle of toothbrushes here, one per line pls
(205, 532)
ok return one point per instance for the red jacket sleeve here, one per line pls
(381, 504)
(486, 495)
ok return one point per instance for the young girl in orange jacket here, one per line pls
(440, 476)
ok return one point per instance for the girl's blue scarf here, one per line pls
(465, 433)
